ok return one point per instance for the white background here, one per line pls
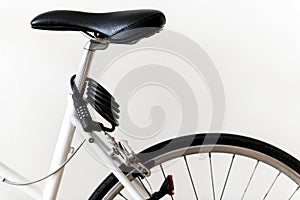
(255, 46)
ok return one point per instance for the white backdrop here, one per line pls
(255, 46)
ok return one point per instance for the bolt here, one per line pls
(91, 140)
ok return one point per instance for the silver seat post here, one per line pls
(67, 130)
(86, 60)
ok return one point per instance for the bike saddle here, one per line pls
(117, 27)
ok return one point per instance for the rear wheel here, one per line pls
(214, 166)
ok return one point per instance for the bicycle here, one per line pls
(134, 172)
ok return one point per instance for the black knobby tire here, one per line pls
(216, 142)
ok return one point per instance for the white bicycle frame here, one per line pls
(66, 134)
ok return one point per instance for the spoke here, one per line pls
(162, 170)
(149, 194)
(272, 185)
(188, 168)
(122, 196)
(251, 177)
(294, 193)
(150, 186)
(233, 156)
(212, 177)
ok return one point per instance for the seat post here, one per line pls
(67, 130)
(86, 60)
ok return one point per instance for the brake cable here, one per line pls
(15, 183)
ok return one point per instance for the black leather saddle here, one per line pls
(117, 27)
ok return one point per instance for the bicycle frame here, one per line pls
(66, 134)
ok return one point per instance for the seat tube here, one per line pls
(67, 130)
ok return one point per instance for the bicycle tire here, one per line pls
(210, 142)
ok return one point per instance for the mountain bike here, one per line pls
(183, 167)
